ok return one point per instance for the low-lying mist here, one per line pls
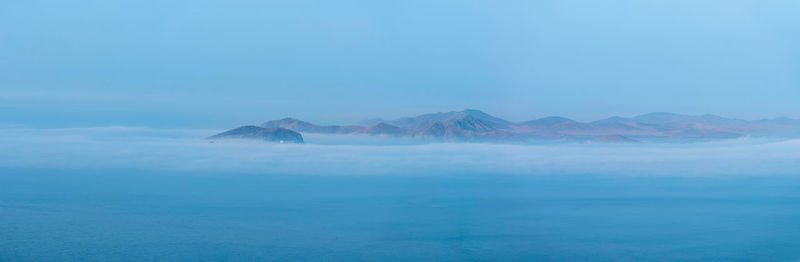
(187, 150)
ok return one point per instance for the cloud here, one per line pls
(186, 150)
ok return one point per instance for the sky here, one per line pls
(218, 64)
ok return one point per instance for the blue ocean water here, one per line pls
(124, 215)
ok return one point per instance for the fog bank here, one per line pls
(187, 150)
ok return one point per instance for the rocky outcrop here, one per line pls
(280, 135)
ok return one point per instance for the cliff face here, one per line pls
(279, 135)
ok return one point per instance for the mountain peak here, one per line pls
(382, 125)
(550, 120)
(287, 122)
(385, 129)
(425, 120)
(476, 113)
(473, 112)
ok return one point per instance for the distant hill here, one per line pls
(302, 126)
(426, 120)
(280, 135)
(554, 124)
(475, 125)
(386, 129)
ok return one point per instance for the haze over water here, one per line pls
(143, 215)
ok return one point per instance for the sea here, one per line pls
(130, 214)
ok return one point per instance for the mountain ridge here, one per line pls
(476, 125)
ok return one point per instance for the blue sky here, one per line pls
(218, 64)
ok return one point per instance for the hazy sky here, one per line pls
(223, 63)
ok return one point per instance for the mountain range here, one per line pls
(475, 125)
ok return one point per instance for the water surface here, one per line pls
(105, 214)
